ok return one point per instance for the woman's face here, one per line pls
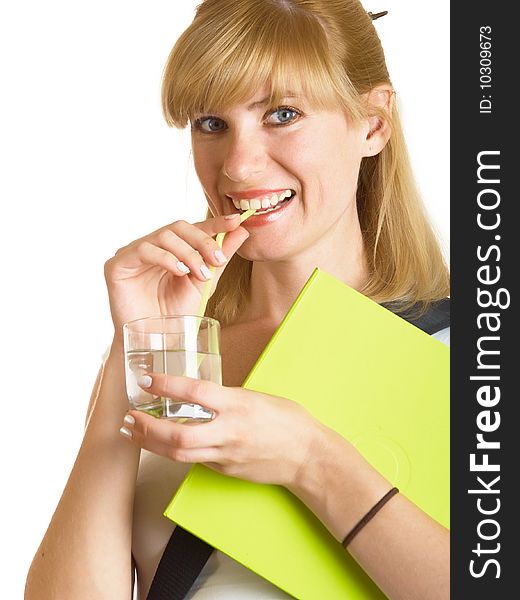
(255, 152)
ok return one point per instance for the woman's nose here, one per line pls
(244, 158)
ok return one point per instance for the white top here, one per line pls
(222, 577)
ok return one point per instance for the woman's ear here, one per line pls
(378, 127)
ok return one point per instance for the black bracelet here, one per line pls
(350, 536)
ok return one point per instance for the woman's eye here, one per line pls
(209, 124)
(283, 115)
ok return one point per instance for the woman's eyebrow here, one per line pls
(265, 100)
(253, 105)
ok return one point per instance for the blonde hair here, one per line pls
(330, 50)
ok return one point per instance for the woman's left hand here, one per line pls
(254, 436)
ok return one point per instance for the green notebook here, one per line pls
(376, 379)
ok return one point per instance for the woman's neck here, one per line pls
(276, 284)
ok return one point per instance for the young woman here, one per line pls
(293, 113)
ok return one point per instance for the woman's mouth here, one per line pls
(264, 204)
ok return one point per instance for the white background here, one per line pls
(87, 165)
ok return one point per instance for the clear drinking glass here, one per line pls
(176, 345)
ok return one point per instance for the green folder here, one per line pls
(376, 379)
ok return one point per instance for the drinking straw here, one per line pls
(192, 367)
(207, 286)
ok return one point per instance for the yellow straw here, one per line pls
(204, 301)
(207, 286)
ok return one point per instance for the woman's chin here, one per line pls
(259, 255)
(278, 246)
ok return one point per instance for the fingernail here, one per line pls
(126, 432)
(145, 381)
(182, 267)
(129, 420)
(220, 256)
(206, 272)
(229, 217)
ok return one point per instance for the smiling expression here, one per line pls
(254, 155)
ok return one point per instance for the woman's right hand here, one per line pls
(145, 278)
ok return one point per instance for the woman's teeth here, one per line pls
(267, 202)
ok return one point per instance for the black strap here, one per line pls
(184, 558)
(185, 554)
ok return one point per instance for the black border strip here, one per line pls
(475, 131)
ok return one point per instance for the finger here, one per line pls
(234, 240)
(198, 391)
(183, 455)
(199, 455)
(150, 254)
(170, 242)
(219, 224)
(202, 241)
(150, 432)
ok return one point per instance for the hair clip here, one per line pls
(375, 16)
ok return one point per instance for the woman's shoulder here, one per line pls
(433, 320)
